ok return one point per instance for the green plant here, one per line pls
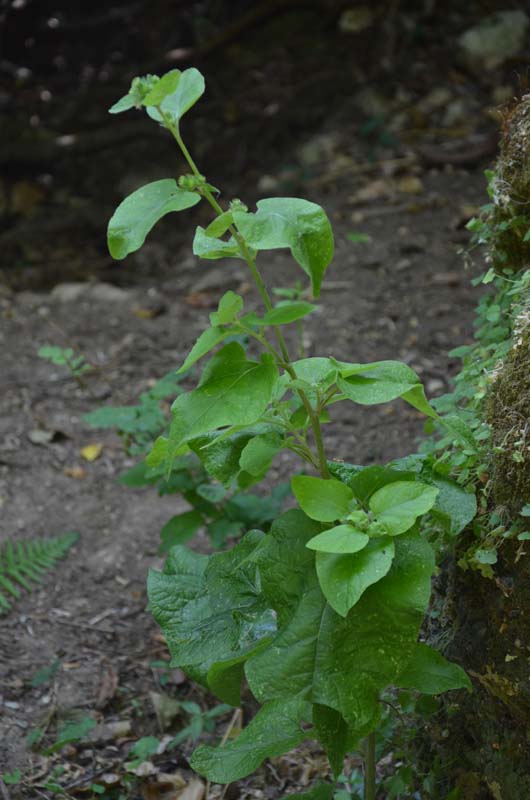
(224, 511)
(464, 451)
(24, 563)
(65, 357)
(321, 614)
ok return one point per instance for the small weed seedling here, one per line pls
(321, 614)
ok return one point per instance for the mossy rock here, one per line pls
(511, 213)
(508, 413)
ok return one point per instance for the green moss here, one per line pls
(508, 413)
(510, 216)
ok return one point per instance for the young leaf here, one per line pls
(190, 87)
(297, 224)
(284, 313)
(220, 225)
(275, 729)
(230, 305)
(398, 505)
(323, 500)
(206, 342)
(138, 213)
(344, 578)
(163, 87)
(232, 391)
(340, 539)
(205, 246)
(123, 104)
(430, 673)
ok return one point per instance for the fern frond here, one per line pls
(24, 563)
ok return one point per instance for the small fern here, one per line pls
(24, 563)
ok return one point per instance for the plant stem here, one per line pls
(262, 289)
(369, 767)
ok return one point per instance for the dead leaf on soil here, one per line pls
(76, 472)
(149, 309)
(40, 436)
(166, 709)
(91, 451)
(110, 731)
(409, 184)
(193, 791)
(107, 685)
(165, 787)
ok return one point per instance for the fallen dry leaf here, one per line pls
(164, 787)
(91, 451)
(193, 791)
(166, 709)
(108, 683)
(409, 184)
(76, 472)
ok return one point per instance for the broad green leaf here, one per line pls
(220, 458)
(318, 371)
(454, 507)
(208, 339)
(230, 305)
(162, 88)
(362, 654)
(138, 213)
(430, 673)
(383, 381)
(322, 499)
(225, 677)
(340, 539)
(398, 505)
(301, 226)
(275, 729)
(284, 313)
(210, 609)
(220, 225)
(205, 246)
(334, 734)
(179, 529)
(189, 89)
(254, 510)
(344, 578)
(158, 454)
(258, 453)
(340, 663)
(369, 480)
(232, 391)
